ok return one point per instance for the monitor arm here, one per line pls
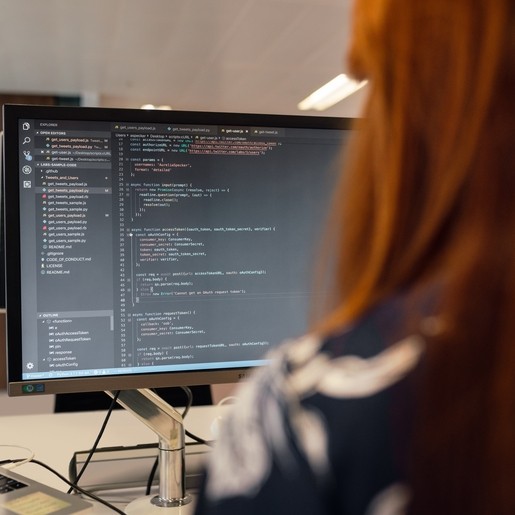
(167, 423)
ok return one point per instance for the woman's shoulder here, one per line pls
(318, 407)
(372, 353)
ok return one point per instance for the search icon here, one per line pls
(26, 140)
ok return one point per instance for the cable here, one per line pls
(99, 436)
(151, 476)
(18, 462)
(185, 412)
(74, 486)
(225, 400)
(189, 403)
(198, 439)
(10, 464)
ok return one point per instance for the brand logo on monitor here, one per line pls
(33, 388)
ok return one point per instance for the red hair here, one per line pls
(428, 195)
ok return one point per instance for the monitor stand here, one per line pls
(167, 423)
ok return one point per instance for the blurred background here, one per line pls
(260, 56)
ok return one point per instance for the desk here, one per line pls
(55, 437)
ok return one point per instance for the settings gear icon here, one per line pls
(30, 365)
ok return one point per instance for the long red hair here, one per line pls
(427, 196)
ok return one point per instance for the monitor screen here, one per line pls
(2, 259)
(158, 248)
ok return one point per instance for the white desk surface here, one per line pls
(55, 437)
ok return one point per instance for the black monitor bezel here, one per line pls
(11, 115)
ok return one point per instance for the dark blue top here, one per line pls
(324, 428)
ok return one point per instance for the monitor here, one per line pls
(158, 248)
(2, 260)
(147, 249)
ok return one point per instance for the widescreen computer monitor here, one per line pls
(2, 260)
(158, 248)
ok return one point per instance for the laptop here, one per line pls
(20, 495)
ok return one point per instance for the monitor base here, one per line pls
(144, 506)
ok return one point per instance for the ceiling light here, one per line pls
(331, 93)
(152, 106)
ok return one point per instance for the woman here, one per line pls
(402, 398)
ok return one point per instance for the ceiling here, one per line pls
(215, 55)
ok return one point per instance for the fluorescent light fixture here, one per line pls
(152, 106)
(331, 93)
